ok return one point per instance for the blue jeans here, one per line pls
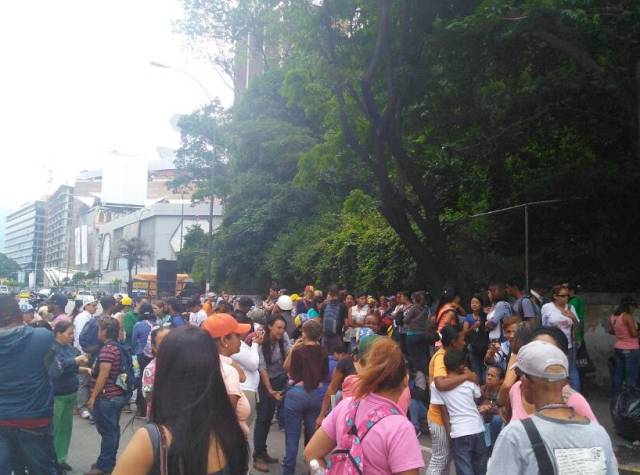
(626, 369)
(300, 406)
(106, 414)
(469, 453)
(30, 448)
(418, 351)
(417, 412)
(574, 375)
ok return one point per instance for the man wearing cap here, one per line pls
(554, 439)
(243, 306)
(57, 305)
(28, 312)
(90, 305)
(227, 332)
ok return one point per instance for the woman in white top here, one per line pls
(356, 318)
(249, 359)
(560, 314)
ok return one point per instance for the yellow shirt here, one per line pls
(437, 369)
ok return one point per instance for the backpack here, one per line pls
(125, 379)
(88, 339)
(348, 456)
(536, 308)
(331, 318)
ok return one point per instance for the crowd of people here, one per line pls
(493, 382)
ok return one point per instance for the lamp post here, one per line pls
(210, 174)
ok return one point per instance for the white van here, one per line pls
(4, 289)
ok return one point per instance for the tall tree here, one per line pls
(8, 266)
(135, 251)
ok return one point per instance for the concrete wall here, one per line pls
(599, 343)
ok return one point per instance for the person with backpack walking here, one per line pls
(333, 314)
(111, 387)
(523, 304)
(140, 334)
(369, 433)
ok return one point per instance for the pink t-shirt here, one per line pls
(148, 377)
(391, 446)
(232, 383)
(573, 399)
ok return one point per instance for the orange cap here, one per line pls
(223, 324)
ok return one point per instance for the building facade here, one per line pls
(58, 228)
(24, 238)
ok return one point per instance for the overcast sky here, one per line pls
(76, 83)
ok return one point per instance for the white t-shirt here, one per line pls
(552, 317)
(78, 323)
(461, 405)
(198, 318)
(249, 358)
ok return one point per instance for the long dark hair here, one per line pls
(266, 345)
(190, 399)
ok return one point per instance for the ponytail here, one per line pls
(385, 368)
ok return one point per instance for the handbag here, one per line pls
(583, 360)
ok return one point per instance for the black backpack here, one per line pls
(331, 319)
(88, 339)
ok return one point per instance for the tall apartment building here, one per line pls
(59, 215)
(24, 239)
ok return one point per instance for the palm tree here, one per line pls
(135, 251)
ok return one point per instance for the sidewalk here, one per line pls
(628, 455)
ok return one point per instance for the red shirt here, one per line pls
(108, 354)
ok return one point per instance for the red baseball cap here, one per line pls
(223, 324)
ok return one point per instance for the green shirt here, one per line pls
(130, 319)
(578, 305)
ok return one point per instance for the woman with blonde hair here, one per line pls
(370, 429)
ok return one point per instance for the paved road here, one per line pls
(85, 445)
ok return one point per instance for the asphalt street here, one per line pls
(85, 445)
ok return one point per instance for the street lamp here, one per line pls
(210, 177)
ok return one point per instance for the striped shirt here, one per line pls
(108, 354)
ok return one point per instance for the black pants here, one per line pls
(265, 409)
(141, 403)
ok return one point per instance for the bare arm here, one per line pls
(318, 447)
(334, 385)
(451, 381)
(137, 458)
(101, 380)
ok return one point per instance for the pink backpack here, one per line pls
(348, 456)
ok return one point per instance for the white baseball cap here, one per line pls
(285, 303)
(535, 358)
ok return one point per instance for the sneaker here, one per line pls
(260, 465)
(85, 414)
(265, 457)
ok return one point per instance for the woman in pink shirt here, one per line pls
(522, 409)
(388, 440)
(623, 325)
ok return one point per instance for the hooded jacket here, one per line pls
(25, 357)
